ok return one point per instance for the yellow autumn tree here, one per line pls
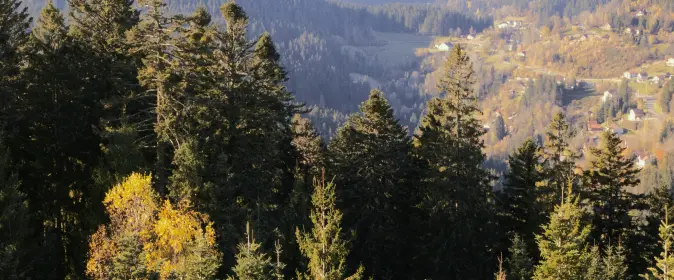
(183, 244)
(146, 239)
(116, 250)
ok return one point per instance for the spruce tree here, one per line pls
(456, 188)
(608, 189)
(615, 263)
(520, 264)
(518, 200)
(325, 247)
(664, 264)
(61, 112)
(251, 263)
(14, 219)
(560, 162)
(13, 36)
(564, 244)
(370, 157)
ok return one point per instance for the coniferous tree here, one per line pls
(564, 244)
(61, 113)
(664, 264)
(14, 218)
(615, 263)
(13, 33)
(499, 130)
(370, 157)
(607, 187)
(519, 198)
(325, 247)
(456, 188)
(559, 162)
(251, 263)
(520, 264)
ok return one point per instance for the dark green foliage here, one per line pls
(559, 163)
(13, 36)
(519, 264)
(456, 188)
(499, 130)
(665, 97)
(14, 219)
(251, 263)
(60, 114)
(370, 157)
(518, 201)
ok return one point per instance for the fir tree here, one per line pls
(559, 162)
(13, 37)
(251, 264)
(370, 156)
(519, 263)
(499, 130)
(564, 244)
(615, 263)
(664, 264)
(456, 188)
(324, 246)
(519, 197)
(608, 190)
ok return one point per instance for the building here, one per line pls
(642, 159)
(593, 126)
(607, 27)
(470, 37)
(503, 25)
(628, 30)
(615, 129)
(670, 62)
(608, 95)
(522, 54)
(636, 115)
(642, 77)
(657, 79)
(629, 75)
(445, 46)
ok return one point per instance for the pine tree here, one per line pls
(564, 244)
(519, 197)
(370, 157)
(251, 264)
(519, 263)
(664, 265)
(595, 269)
(559, 162)
(14, 218)
(499, 130)
(324, 246)
(608, 190)
(13, 33)
(666, 96)
(456, 188)
(61, 112)
(615, 263)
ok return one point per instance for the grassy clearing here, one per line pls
(644, 88)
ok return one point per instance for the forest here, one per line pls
(142, 142)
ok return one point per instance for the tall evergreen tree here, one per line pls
(607, 188)
(14, 219)
(370, 157)
(251, 264)
(560, 162)
(13, 37)
(520, 264)
(325, 247)
(456, 188)
(518, 200)
(61, 114)
(664, 264)
(564, 244)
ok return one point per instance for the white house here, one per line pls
(607, 27)
(636, 115)
(503, 25)
(522, 54)
(670, 62)
(470, 37)
(657, 79)
(445, 46)
(642, 159)
(629, 75)
(642, 77)
(607, 96)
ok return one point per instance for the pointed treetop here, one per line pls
(50, 26)
(201, 17)
(232, 12)
(265, 49)
(376, 104)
